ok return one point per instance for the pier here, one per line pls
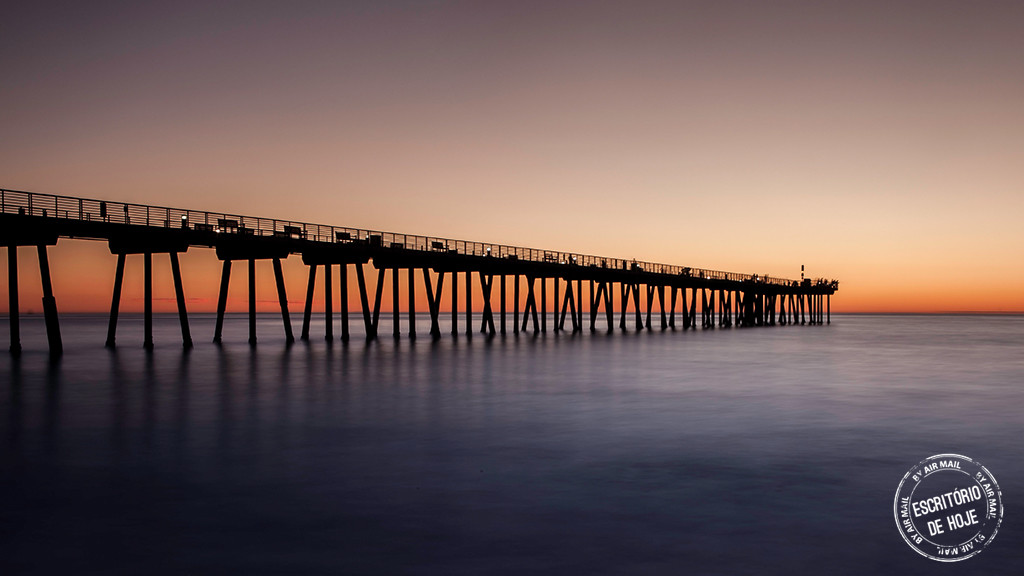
(586, 288)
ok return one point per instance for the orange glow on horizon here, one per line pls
(82, 273)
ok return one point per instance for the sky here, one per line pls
(877, 143)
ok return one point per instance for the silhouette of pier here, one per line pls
(696, 297)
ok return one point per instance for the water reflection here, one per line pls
(661, 452)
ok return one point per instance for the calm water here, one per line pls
(772, 450)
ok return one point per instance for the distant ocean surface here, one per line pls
(738, 451)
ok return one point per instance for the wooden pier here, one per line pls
(679, 294)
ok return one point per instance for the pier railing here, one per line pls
(86, 209)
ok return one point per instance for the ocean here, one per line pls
(773, 450)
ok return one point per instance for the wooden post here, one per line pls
(636, 307)
(503, 303)
(543, 304)
(455, 303)
(12, 294)
(222, 301)
(282, 299)
(396, 308)
(672, 313)
(307, 313)
(579, 306)
(147, 300)
(252, 301)
(179, 296)
(434, 301)
(623, 304)
(593, 308)
(343, 284)
(557, 281)
(329, 302)
(372, 332)
(412, 303)
(515, 306)
(469, 304)
(115, 302)
(49, 305)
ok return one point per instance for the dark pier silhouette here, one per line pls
(723, 299)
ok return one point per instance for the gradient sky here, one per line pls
(880, 143)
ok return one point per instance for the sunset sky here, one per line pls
(879, 143)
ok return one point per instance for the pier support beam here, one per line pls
(307, 312)
(759, 309)
(623, 302)
(455, 303)
(381, 275)
(503, 276)
(469, 304)
(115, 302)
(579, 306)
(672, 312)
(703, 308)
(568, 305)
(222, 301)
(557, 285)
(179, 296)
(251, 282)
(329, 301)
(282, 298)
(692, 315)
(147, 300)
(12, 295)
(371, 319)
(412, 303)
(343, 297)
(487, 316)
(724, 308)
(434, 301)
(396, 308)
(602, 295)
(544, 305)
(593, 308)
(531, 306)
(608, 312)
(49, 304)
(661, 307)
(650, 305)
(252, 302)
(638, 321)
(515, 306)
